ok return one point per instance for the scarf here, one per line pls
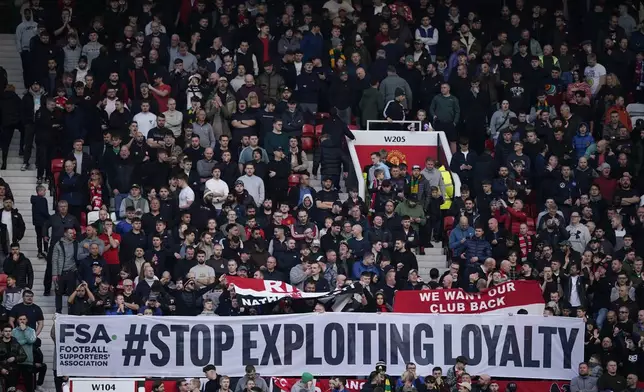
(96, 197)
(387, 385)
(414, 185)
(525, 244)
(545, 107)
(595, 198)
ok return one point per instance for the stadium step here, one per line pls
(11, 62)
(23, 185)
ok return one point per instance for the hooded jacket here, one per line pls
(22, 270)
(580, 143)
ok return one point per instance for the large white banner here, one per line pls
(329, 344)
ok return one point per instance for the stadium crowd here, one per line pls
(176, 138)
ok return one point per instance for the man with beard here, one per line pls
(629, 197)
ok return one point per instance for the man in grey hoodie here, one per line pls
(24, 33)
(134, 199)
(64, 266)
(433, 175)
(251, 374)
(584, 382)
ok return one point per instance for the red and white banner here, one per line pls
(254, 292)
(508, 297)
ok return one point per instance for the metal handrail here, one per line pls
(415, 123)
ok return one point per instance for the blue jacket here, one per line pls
(581, 143)
(75, 125)
(312, 45)
(359, 268)
(71, 189)
(478, 247)
(39, 210)
(456, 236)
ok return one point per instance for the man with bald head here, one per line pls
(483, 385)
(205, 165)
(496, 236)
(460, 234)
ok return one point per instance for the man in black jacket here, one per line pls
(341, 94)
(32, 101)
(278, 172)
(18, 266)
(14, 230)
(332, 160)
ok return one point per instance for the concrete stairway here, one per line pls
(10, 60)
(23, 185)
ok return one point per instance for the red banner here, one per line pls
(508, 297)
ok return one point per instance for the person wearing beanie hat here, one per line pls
(395, 109)
(306, 384)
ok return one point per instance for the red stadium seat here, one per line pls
(318, 130)
(353, 127)
(307, 143)
(3, 283)
(293, 180)
(308, 130)
(489, 145)
(322, 116)
(448, 223)
(57, 165)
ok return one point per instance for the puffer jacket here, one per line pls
(271, 84)
(581, 142)
(331, 158)
(478, 247)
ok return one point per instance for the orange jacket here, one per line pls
(624, 117)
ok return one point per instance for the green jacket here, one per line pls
(372, 105)
(413, 212)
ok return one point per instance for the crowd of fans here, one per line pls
(180, 125)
